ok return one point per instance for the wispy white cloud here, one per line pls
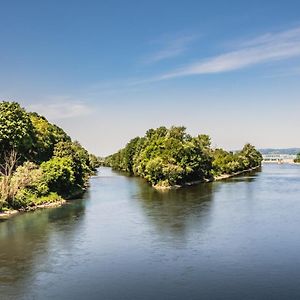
(61, 107)
(266, 48)
(171, 47)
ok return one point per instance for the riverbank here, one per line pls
(54, 203)
(281, 162)
(10, 213)
(215, 178)
(226, 176)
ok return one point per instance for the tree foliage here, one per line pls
(229, 162)
(46, 136)
(167, 157)
(16, 129)
(59, 176)
(38, 160)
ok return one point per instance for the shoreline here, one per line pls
(216, 178)
(280, 163)
(10, 213)
(226, 176)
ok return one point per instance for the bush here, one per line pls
(50, 198)
(24, 198)
(58, 174)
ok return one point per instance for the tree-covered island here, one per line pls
(39, 163)
(171, 157)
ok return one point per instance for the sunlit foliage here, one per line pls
(167, 157)
(38, 161)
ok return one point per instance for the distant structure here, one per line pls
(278, 158)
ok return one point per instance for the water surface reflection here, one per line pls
(236, 239)
(176, 212)
(27, 239)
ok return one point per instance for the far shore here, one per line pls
(281, 163)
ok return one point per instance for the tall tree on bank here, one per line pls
(47, 164)
(16, 130)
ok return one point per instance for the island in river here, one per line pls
(170, 157)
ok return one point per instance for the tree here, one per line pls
(16, 130)
(165, 156)
(28, 185)
(94, 162)
(47, 163)
(59, 175)
(7, 190)
(80, 158)
(47, 135)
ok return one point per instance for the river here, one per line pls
(236, 239)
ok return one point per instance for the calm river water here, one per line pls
(237, 239)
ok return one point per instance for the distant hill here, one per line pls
(290, 151)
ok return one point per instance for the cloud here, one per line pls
(266, 48)
(61, 108)
(171, 48)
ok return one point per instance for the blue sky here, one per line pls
(106, 71)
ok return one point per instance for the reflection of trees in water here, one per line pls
(25, 240)
(186, 210)
(174, 212)
(246, 177)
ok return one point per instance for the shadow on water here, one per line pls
(25, 240)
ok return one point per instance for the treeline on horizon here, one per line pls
(167, 157)
(39, 163)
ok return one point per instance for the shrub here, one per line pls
(58, 173)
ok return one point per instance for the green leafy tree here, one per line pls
(94, 162)
(58, 173)
(166, 157)
(80, 158)
(47, 135)
(38, 161)
(228, 162)
(16, 130)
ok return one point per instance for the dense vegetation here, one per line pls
(297, 160)
(167, 157)
(39, 163)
